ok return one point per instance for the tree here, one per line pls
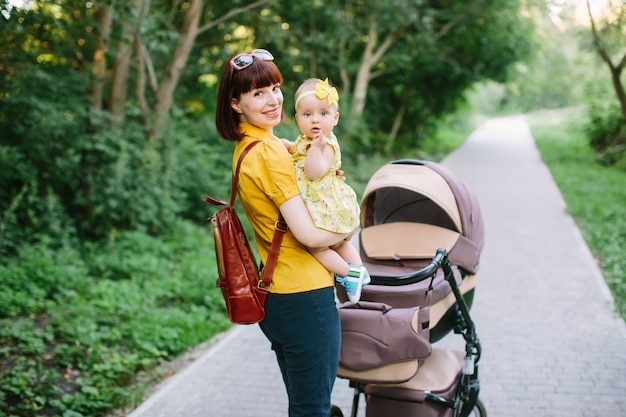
(119, 95)
(86, 88)
(184, 22)
(417, 56)
(608, 32)
(607, 134)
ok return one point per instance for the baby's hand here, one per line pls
(288, 144)
(320, 141)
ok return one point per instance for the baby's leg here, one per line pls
(331, 260)
(348, 252)
(357, 275)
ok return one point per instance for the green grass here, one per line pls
(595, 195)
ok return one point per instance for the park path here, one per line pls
(552, 345)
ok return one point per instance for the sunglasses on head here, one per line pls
(245, 59)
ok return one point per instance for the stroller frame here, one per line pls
(466, 394)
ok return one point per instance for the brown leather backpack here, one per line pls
(243, 289)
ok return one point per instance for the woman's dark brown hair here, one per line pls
(234, 83)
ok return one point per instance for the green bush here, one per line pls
(27, 388)
(77, 326)
(69, 172)
(37, 277)
(606, 130)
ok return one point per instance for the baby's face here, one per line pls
(315, 116)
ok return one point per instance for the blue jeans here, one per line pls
(305, 333)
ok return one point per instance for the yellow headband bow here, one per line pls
(322, 91)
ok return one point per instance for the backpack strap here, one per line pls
(235, 178)
(280, 228)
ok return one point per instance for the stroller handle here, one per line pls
(440, 260)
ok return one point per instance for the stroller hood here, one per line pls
(410, 208)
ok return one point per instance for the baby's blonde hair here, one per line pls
(309, 85)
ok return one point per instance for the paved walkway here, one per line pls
(552, 345)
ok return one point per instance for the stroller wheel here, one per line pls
(335, 411)
(479, 410)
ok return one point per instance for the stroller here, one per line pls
(421, 237)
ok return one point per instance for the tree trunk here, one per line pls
(104, 17)
(165, 92)
(397, 122)
(121, 66)
(140, 86)
(362, 78)
(370, 57)
(619, 87)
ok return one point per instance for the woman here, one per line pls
(301, 320)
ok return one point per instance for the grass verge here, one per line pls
(595, 194)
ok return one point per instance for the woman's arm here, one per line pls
(297, 216)
(319, 157)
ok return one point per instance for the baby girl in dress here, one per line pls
(332, 203)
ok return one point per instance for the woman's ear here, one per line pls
(234, 104)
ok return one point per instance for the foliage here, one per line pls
(552, 77)
(608, 125)
(408, 62)
(606, 132)
(77, 326)
(62, 181)
(107, 115)
(594, 194)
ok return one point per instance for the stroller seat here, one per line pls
(439, 376)
(437, 373)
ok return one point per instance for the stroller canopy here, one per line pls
(410, 208)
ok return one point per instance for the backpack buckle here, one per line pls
(265, 287)
(281, 226)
